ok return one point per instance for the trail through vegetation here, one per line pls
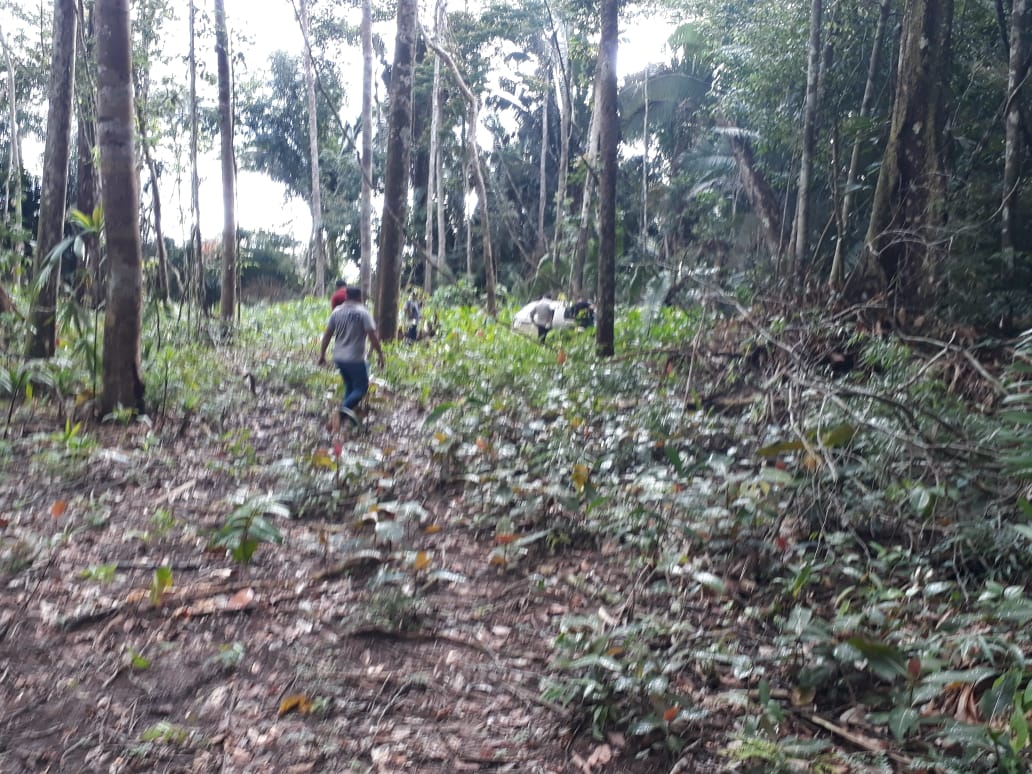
(763, 544)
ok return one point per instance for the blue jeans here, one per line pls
(356, 382)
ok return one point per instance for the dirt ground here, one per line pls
(295, 662)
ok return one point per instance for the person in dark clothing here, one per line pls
(412, 317)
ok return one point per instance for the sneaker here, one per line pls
(351, 416)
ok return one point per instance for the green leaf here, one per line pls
(138, 662)
(885, 660)
(438, 412)
(781, 447)
(838, 436)
(674, 458)
(997, 700)
(1024, 530)
(902, 720)
(160, 583)
(244, 550)
(1019, 728)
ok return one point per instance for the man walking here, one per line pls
(350, 324)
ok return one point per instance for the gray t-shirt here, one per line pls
(350, 322)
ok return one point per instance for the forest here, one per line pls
(768, 508)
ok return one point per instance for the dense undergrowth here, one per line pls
(833, 556)
(858, 538)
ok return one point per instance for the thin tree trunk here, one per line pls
(161, 289)
(580, 251)
(197, 264)
(473, 151)
(43, 336)
(313, 152)
(801, 248)
(442, 227)
(395, 194)
(435, 166)
(122, 379)
(609, 129)
(1016, 72)
(542, 244)
(366, 223)
(93, 278)
(645, 164)
(565, 102)
(837, 275)
(12, 183)
(228, 306)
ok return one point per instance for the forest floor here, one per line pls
(759, 551)
(293, 662)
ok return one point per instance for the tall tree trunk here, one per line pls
(904, 237)
(161, 284)
(801, 248)
(313, 151)
(93, 279)
(366, 224)
(228, 306)
(645, 164)
(479, 182)
(442, 226)
(13, 181)
(580, 250)
(43, 335)
(565, 101)
(435, 165)
(395, 194)
(197, 263)
(122, 379)
(1016, 70)
(608, 138)
(837, 275)
(542, 242)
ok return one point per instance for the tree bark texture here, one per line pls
(434, 166)
(229, 250)
(608, 139)
(442, 226)
(122, 379)
(43, 335)
(584, 233)
(904, 241)
(399, 150)
(1016, 70)
(196, 281)
(542, 241)
(801, 248)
